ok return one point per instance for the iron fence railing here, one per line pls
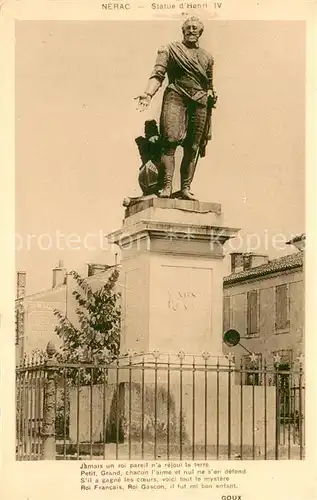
(159, 407)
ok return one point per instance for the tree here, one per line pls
(96, 337)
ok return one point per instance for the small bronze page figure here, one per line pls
(149, 146)
(187, 105)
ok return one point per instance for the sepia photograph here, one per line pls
(160, 242)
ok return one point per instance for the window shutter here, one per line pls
(252, 312)
(281, 307)
(226, 313)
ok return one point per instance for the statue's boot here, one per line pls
(187, 174)
(168, 162)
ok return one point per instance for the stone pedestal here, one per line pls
(176, 395)
(172, 274)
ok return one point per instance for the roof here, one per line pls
(300, 237)
(55, 289)
(291, 261)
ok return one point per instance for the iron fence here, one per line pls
(157, 406)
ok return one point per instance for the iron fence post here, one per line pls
(48, 430)
(277, 410)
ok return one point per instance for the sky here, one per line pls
(76, 122)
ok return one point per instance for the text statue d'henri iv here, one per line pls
(185, 118)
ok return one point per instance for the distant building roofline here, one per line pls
(255, 254)
(296, 239)
(63, 285)
(285, 263)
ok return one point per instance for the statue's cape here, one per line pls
(190, 64)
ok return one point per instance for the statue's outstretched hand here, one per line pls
(143, 101)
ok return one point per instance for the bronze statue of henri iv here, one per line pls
(185, 114)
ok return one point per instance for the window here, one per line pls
(285, 361)
(226, 313)
(252, 377)
(252, 312)
(285, 358)
(281, 307)
(285, 382)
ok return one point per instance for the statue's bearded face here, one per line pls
(192, 31)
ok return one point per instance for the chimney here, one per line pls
(21, 284)
(257, 259)
(59, 274)
(244, 261)
(298, 242)
(96, 269)
(236, 262)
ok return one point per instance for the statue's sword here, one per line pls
(207, 135)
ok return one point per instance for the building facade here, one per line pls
(265, 304)
(35, 318)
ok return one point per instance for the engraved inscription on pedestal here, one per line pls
(182, 300)
(181, 310)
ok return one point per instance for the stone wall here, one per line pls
(189, 418)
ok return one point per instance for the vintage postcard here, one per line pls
(158, 291)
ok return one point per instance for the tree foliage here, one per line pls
(95, 338)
